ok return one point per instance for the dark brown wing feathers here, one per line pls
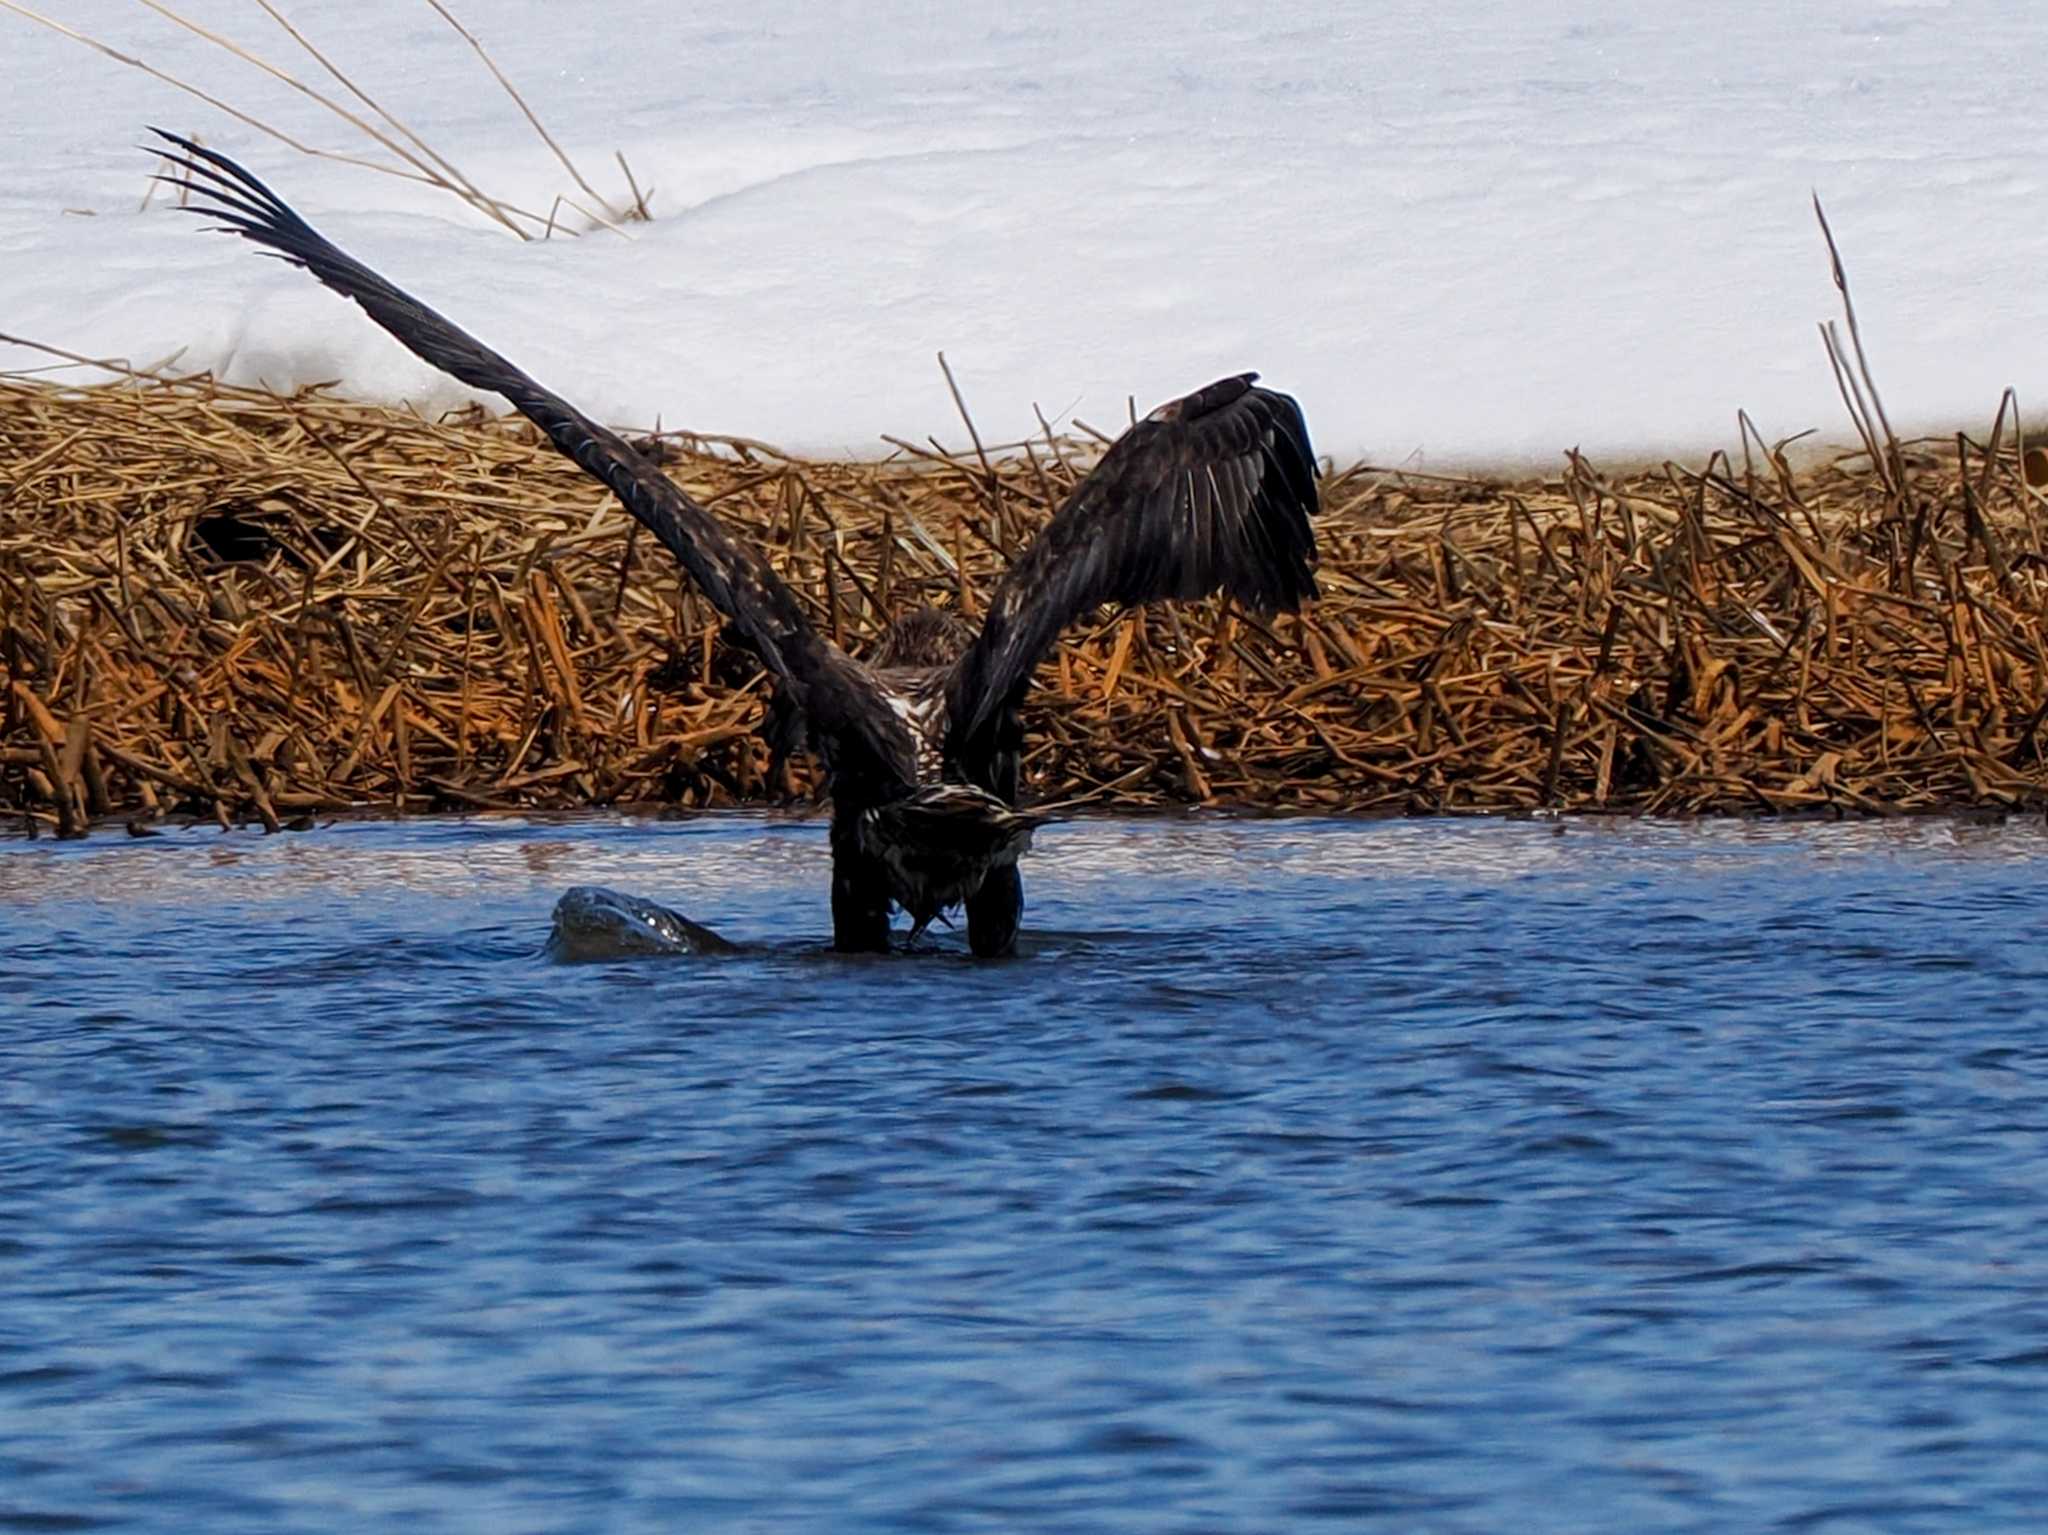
(841, 703)
(1211, 492)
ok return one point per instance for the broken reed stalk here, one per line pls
(219, 602)
(1870, 417)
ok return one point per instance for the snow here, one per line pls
(1462, 233)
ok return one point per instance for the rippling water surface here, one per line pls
(1443, 1176)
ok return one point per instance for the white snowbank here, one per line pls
(1473, 232)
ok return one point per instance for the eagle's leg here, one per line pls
(860, 895)
(994, 913)
(996, 910)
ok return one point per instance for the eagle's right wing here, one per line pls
(842, 704)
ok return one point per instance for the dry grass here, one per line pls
(406, 154)
(222, 602)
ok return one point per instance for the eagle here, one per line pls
(921, 744)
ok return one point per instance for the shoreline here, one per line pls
(14, 827)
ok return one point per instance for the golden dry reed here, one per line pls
(236, 605)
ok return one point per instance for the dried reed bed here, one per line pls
(225, 603)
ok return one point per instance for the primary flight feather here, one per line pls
(1211, 492)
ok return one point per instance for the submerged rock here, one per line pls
(594, 923)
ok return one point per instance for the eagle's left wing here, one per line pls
(1210, 492)
(839, 700)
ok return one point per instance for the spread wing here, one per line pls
(1210, 492)
(842, 704)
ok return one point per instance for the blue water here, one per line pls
(1431, 1176)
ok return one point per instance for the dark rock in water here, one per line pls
(591, 922)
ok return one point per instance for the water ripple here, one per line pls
(1437, 1175)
